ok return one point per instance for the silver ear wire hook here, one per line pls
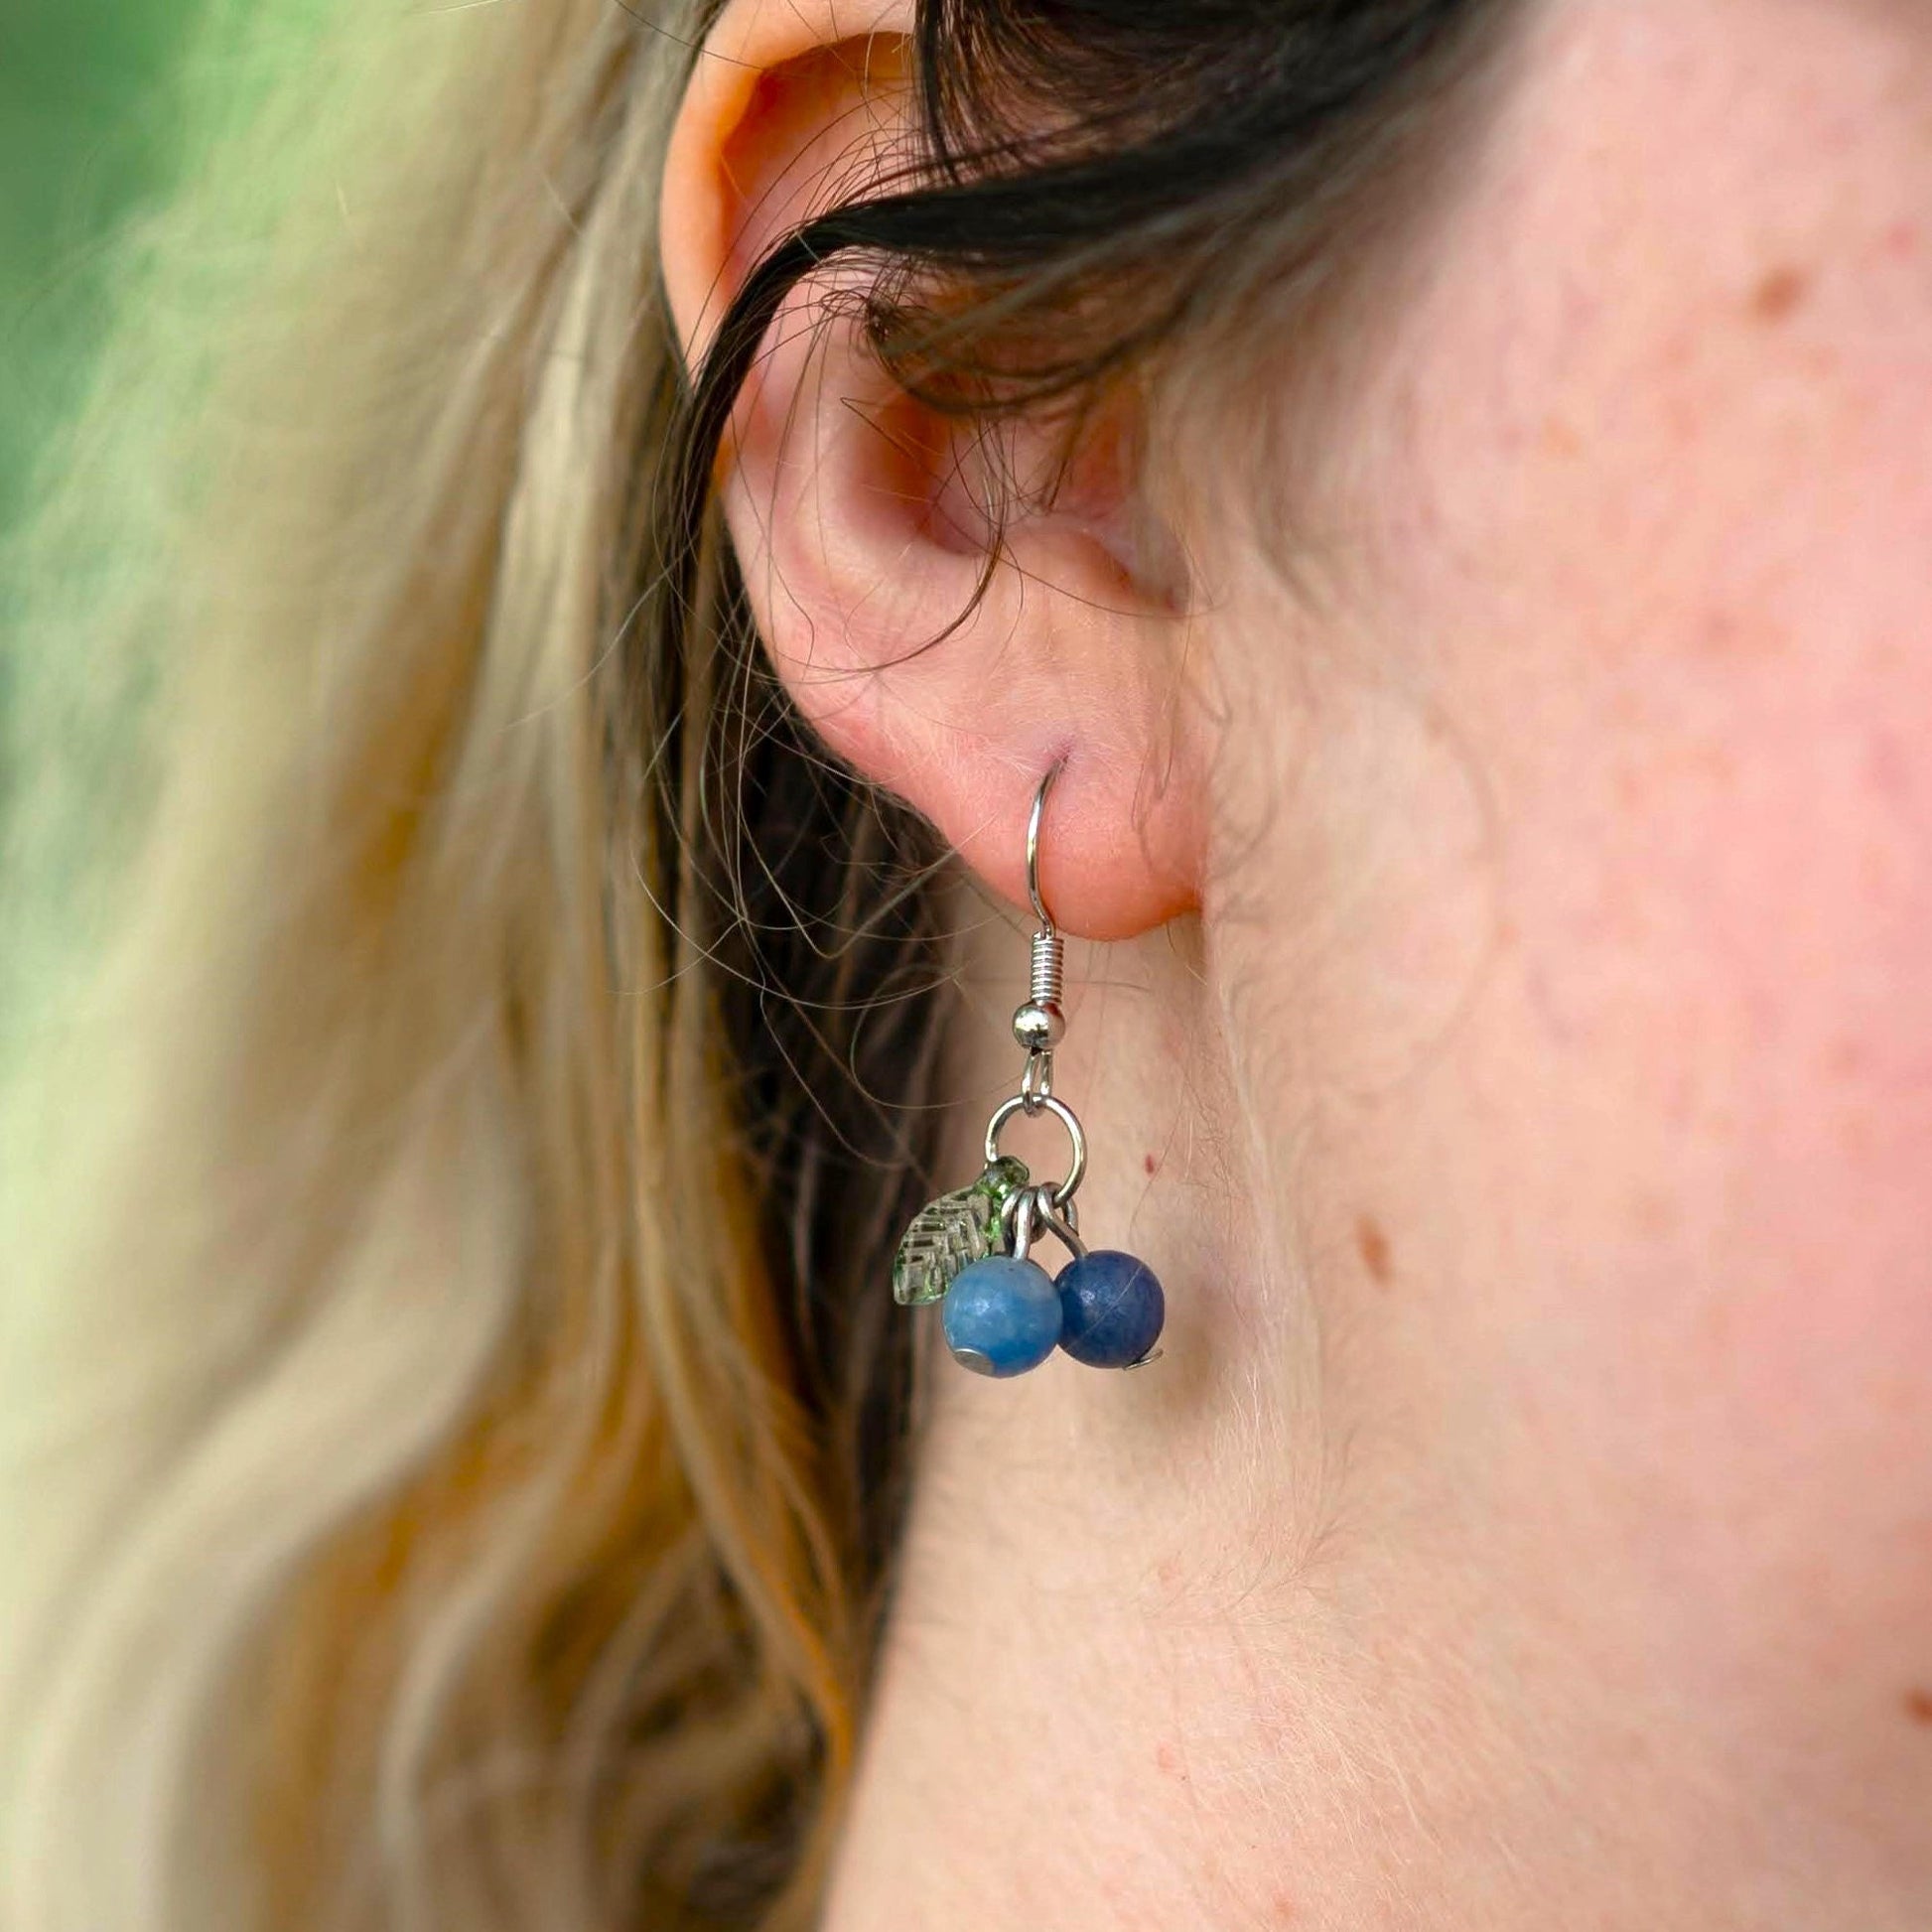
(1045, 918)
(1039, 1025)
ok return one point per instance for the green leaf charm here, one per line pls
(954, 1231)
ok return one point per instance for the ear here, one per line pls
(949, 661)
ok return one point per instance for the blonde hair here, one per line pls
(453, 1432)
(420, 1513)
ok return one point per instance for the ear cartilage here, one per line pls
(971, 1251)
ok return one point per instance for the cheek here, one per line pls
(1658, 497)
(1663, 509)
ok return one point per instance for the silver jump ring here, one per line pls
(1061, 1112)
(1064, 1221)
(1023, 1218)
(1037, 1081)
(1032, 1213)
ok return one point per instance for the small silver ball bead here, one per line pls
(1039, 1029)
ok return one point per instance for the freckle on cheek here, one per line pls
(1373, 1247)
(1654, 1214)
(1846, 1060)
(1561, 438)
(1780, 293)
(1918, 1707)
(1723, 633)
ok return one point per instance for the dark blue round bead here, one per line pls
(1111, 1309)
(1001, 1316)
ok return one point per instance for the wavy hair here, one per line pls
(467, 1051)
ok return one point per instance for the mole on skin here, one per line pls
(1374, 1246)
(1780, 293)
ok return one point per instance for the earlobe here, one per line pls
(948, 657)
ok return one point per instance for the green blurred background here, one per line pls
(84, 130)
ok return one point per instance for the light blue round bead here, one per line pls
(1001, 1316)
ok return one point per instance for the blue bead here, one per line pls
(1111, 1309)
(1001, 1316)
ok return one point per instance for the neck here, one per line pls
(1291, 1627)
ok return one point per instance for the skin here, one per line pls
(1513, 1048)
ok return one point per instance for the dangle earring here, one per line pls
(972, 1250)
